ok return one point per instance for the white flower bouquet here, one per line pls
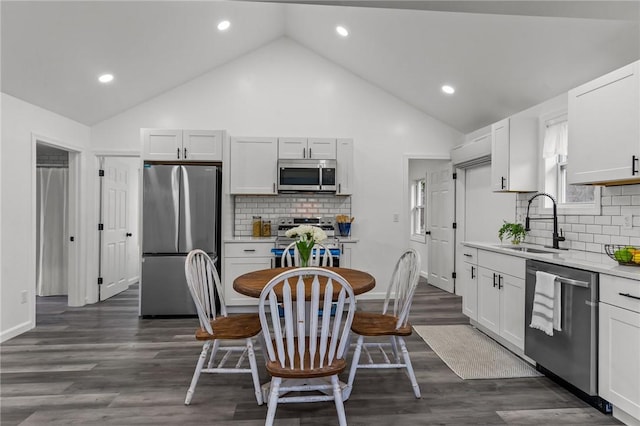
(307, 236)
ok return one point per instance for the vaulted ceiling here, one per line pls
(502, 57)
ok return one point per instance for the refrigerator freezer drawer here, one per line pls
(163, 288)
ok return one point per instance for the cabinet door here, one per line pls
(233, 268)
(344, 172)
(321, 148)
(162, 144)
(512, 309)
(346, 251)
(604, 128)
(618, 365)
(292, 148)
(488, 299)
(253, 168)
(469, 282)
(500, 155)
(202, 145)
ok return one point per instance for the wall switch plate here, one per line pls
(23, 296)
(396, 217)
(627, 221)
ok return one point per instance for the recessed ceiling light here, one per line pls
(449, 90)
(105, 78)
(224, 25)
(342, 31)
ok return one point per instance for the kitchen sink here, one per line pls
(528, 249)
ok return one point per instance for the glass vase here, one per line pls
(304, 251)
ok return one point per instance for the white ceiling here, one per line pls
(500, 62)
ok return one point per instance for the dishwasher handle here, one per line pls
(564, 280)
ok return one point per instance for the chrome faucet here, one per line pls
(556, 237)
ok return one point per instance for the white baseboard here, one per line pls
(16, 331)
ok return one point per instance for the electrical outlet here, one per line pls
(23, 297)
(396, 217)
(627, 221)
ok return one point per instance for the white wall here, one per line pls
(284, 89)
(20, 121)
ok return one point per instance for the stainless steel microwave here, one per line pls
(307, 175)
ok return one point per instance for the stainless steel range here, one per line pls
(327, 224)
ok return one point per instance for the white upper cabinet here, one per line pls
(253, 168)
(513, 154)
(344, 172)
(307, 148)
(604, 129)
(182, 145)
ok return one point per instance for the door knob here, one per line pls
(129, 234)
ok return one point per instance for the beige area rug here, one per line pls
(473, 355)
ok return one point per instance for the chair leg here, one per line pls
(254, 371)
(337, 396)
(196, 374)
(394, 348)
(354, 366)
(273, 400)
(214, 351)
(407, 361)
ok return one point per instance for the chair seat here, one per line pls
(375, 324)
(233, 327)
(275, 369)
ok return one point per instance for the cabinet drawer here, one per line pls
(253, 249)
(510, 265)
(470, 255)
(613, 288)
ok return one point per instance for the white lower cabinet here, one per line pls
(619, 346)
(240, 258)
(468, 279)
(501, 293)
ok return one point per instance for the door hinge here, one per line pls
(455, 176)
(453, 275)
(455, 225)
(101, 227)
(101, 173)
(99, 280)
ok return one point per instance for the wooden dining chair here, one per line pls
(305, 349)
(320, 256)
(204, 286)
(392, 322)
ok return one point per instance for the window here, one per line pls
(576, 199)
(418, 189)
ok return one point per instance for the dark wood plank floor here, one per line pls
(102, 365)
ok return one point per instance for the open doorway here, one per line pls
(55, 221)
(430, 200)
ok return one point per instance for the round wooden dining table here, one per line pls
(252, 283)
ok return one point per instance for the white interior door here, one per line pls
(115, 220)
(440, 218)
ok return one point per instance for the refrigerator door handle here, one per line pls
(175, 195)
(186, 199)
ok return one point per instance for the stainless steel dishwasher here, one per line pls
(571, 354)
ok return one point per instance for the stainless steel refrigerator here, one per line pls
(180, 212)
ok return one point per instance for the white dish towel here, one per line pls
(547, 313)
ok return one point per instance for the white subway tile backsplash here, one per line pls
(579, 228)
(621, 200)
(271, 207)
(611, 210)
(612, 190)
(591, 232)
(620, 240)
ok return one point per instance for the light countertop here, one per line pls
(272, 239)
(595, 262)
